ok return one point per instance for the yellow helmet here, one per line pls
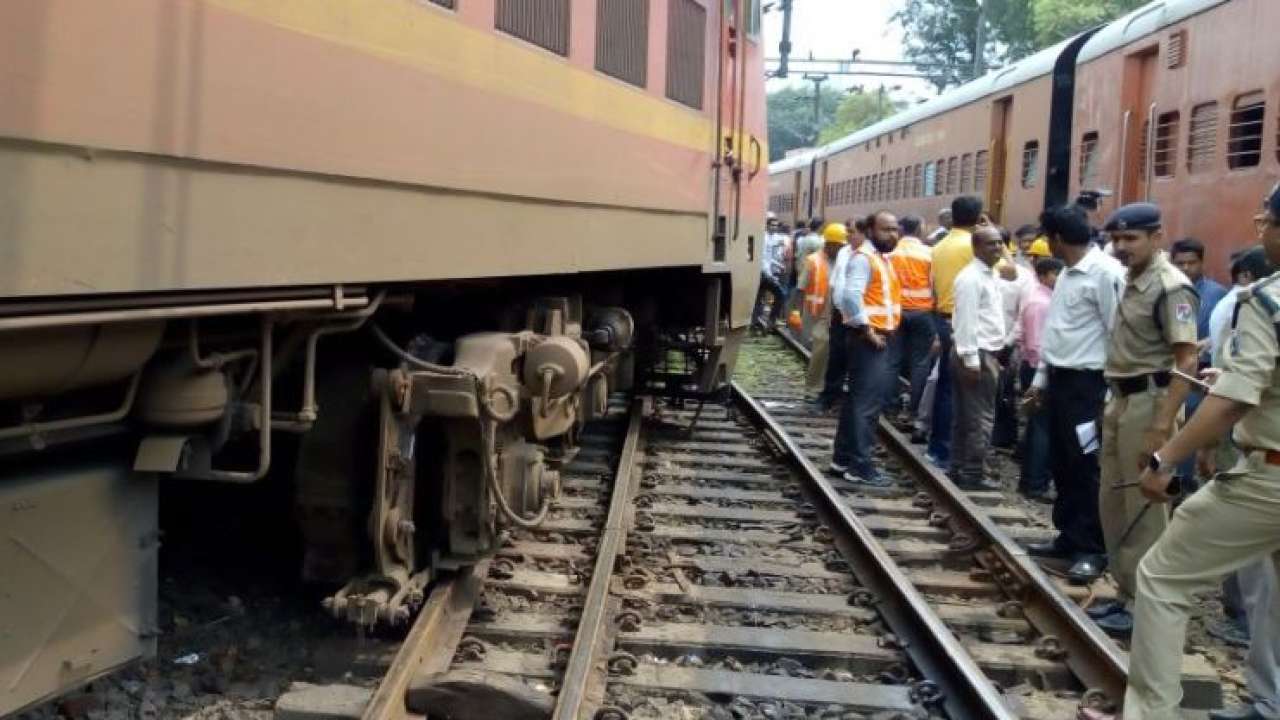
(836, 233)
(1039, 247)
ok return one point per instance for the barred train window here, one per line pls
(1244, 143)
(980, 171)
(917, 181)
(897, 184)
(622, 39)
(1202, 135)
(1164, 161)
(1030, 163)
(952, 175)
(1089, 160)
(544, 23)
(966, 172)
(686, 48)
(930, 178)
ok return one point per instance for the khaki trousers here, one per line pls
(1228, 524)
(1124, 425)
(972, 415)
(819, 351)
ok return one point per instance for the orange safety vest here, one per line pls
(818, 286)
(882, 300)
(912, 261)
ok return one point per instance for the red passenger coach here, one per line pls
(1173, 103)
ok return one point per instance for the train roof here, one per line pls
(1141, 22)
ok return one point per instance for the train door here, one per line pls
(731, 92)
(822, 192)
(796, 201)
(1137, 125)
(1001, 112)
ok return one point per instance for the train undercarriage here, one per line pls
(412, 426)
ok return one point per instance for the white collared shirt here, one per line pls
(1081, 315)
(978, 321)
(839, 269)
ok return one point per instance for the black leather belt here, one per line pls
(1130, 385)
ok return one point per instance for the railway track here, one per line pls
(714, 572)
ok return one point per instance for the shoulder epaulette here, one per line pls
(1268, 303)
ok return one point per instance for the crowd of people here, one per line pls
(1134, 374)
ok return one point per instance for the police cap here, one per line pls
(1134, 216)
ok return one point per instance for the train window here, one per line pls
(753, 20)
(952, 175)
(1175, 50)
(917, 181)
(622, 39)
(544, 23)
(930, 179)
(980, 171)
(966, 172)
(1164, 160)
(686, 51)
(1030, 163)
(1089, 159)
(1244, 143)
(1202, 135)
(897, 184)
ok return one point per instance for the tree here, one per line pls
(791, 123)
(858, 110)
(944, 31)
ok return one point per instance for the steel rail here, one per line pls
(963, 689)
(1092, 656)
(431, 642)
(590, 639)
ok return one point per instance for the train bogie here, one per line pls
(389, 258)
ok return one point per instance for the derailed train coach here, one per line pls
(1174, 103)
(389, 258)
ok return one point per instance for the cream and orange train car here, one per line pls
(390, 255)
(1174, 103)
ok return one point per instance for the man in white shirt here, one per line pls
(837, 369)
(978, 334)
(774, 267)
(1069, 380)
(1013, 293)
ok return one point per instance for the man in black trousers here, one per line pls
(1070, 381)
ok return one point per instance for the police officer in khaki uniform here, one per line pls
(1155, 330)
(1230, 522)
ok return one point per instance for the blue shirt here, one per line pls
(1210, 293)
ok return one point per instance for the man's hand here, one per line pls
(1155, 485)
(1210, 375)
(875, 338)
(1032, 399)
(1152, 440)
(970, 376)
(935, 347)
(1008, 271)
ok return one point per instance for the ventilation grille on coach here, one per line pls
(544, 23)
(686, 51)
(622, 39)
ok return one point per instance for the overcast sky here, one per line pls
(833, 29)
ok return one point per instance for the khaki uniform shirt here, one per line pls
(1249, 371)
(1138, 345)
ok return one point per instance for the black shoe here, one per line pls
(1087, 568)
(1052, 549)
(1117, 624)
(1244, 712)
(1101, 609)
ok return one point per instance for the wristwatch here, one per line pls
(1153, 463)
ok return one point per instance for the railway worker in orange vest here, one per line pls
(870, 302)
(909, 349)
(815, 283)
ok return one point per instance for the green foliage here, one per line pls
(1056, 20)
(858, 110)
(791, 118)
(944, 31)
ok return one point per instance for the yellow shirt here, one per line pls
(950, 255)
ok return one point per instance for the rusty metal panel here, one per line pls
(544, 23)
(78, 546)
(686, 52)
(622, 39)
